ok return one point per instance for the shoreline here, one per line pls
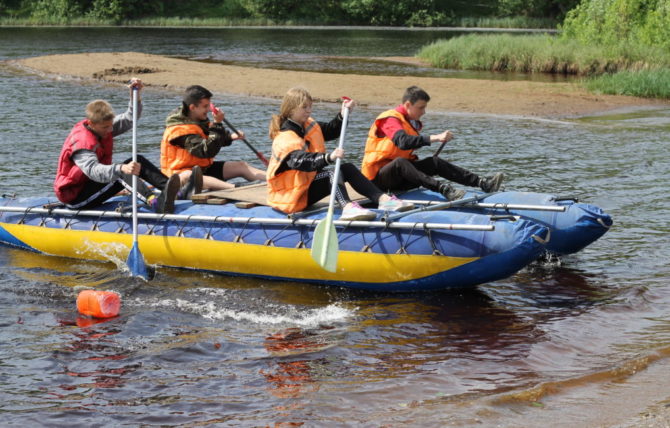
(547, 100)
(300, 27)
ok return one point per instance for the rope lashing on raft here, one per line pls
(269, 242)
(222, 226)
(543, 241)
(180, 231)
(254, 220)
(403, 245)
(436, 252)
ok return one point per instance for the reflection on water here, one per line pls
(191, 348)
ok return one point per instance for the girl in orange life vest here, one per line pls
(86, 176)
(296, 175)
(190, 140)
(389, 159)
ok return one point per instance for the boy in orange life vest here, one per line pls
(390, 162)
(191, 140)
(86, 176)
(296, 175)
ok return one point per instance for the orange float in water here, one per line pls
(98, 304)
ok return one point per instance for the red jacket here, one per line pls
(70, 180)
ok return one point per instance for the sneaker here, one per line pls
(395, 204)
(353, 211)
(194, 184)
(164, 203)
(491, 184)
(450, 193)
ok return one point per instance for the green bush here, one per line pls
(548, 9)
(608, 22)
(60, 11)
(107, 10)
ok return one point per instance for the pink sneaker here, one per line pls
(395, 204)
(353, 211)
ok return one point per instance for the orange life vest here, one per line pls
(287, 191)
(175, 159)
(379, 151)
(70, 179)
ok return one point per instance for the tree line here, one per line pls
(325, 12)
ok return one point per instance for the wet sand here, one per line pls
(517, 98)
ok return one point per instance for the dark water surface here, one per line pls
(195, 349)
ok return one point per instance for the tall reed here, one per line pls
(644, 83)
(540, 53)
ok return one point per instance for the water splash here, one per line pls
(220, 304)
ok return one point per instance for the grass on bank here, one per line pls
(512, 22)
(627, 68)
(540, 54)
(645, 83)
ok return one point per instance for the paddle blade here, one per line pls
(136, 264)
(325, 246)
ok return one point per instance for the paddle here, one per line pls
(135, 261)
(259, 155)
(325, 244)
(439, 149)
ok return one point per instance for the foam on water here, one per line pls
(220, 304)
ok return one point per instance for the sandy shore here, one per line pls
(519, 98)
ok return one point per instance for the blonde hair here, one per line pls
(295, 98)
(99, 111)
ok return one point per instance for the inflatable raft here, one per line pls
(423, 249)
(573, 224)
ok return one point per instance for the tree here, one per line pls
(56, 10)
(556, 9)
(610, 22)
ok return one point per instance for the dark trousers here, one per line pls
(95, 193)
(403, 174)
(323, 182)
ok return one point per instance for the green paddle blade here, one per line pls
(325, 246)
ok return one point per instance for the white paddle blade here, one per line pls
(324, 246)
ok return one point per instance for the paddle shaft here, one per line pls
(134, 178)
(496, 205)
(336, 172)
(258, 154)
(328, 228)
(440, 206)
(439, 149)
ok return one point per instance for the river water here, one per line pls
(578, 341)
